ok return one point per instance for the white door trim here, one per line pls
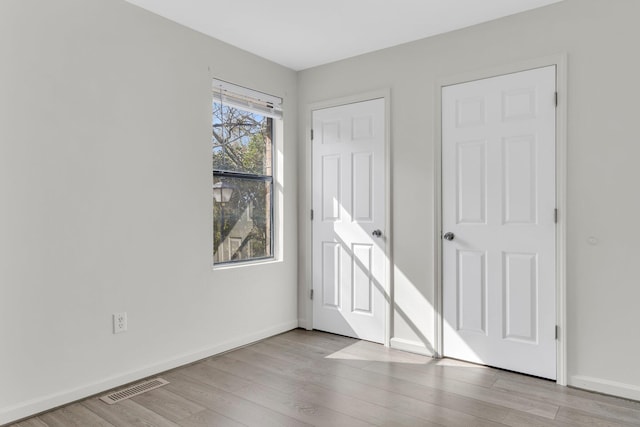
(560, 61)
(307, 322)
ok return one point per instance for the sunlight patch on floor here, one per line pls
(459, 364)
(371, 352)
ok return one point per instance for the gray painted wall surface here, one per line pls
(106, 203)
(601, 42)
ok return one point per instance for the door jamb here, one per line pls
(308, 224)
(560, 61)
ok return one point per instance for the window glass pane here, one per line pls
(241, 225)
(241, 140)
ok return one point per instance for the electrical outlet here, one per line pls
(119, 323)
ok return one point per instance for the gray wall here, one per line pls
(106, 206)
(600, 39)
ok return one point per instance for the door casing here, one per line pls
(307, 321)
(560, 61)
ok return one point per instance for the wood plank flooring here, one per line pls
(303, 378)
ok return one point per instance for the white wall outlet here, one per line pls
(119, 323)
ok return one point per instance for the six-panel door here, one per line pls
(349, 278)
(498, 188)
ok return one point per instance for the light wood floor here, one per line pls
(314, 378)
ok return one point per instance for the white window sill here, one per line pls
(242, 264)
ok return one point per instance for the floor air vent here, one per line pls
(134, 390)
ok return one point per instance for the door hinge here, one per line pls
(555, 215)
(312, 134)
(311, 214)
(555, 99)
(557, 331)
(311, 293)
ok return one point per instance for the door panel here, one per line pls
(498, 191)
(471, 182)
(363, 289)
(331, 184)
(520, 296)
(331, 277)
(472, 291)
(349, 191)
(519, 154)
(362, 188)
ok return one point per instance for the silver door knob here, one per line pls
(377, 233)
(448, 236)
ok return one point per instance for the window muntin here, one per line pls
(242, 160)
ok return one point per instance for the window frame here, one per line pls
(224, 94)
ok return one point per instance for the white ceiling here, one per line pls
(301, 34)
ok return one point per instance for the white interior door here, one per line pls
(498, 191)
(349, 244)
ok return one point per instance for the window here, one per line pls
(242, 158)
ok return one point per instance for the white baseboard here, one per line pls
(410, 346)
(45, 403)
(628, 391)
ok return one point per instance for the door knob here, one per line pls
(449, 236)
(377, 233)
